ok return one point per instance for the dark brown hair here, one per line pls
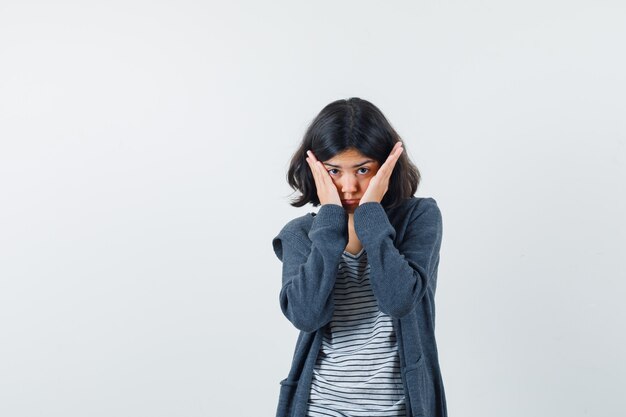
(351, 124)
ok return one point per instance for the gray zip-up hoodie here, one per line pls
(402, 246)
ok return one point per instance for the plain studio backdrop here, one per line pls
(143, 153)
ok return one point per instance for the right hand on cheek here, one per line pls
(326, 189)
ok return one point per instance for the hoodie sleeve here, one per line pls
(400, 275)
(310, 270)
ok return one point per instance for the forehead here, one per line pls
(348, 158)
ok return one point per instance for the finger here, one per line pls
(311, 155)
(393, 157)
(397, 154)
(310, 162)
(323, 174)
(392, 163)
(313, 162)
(314, 171)
(328, 181)
(395, 151)
(322, 177)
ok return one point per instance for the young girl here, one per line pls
(359, 276)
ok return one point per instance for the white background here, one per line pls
(143, 153)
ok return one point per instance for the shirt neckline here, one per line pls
(355, 256)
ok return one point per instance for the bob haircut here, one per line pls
(351, 124)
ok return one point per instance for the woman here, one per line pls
(359, 276)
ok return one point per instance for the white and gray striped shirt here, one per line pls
(357, 373)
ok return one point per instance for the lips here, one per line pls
(350, 202)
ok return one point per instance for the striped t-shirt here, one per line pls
(357, 373)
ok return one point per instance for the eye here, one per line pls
(332, 169)
(366, 170)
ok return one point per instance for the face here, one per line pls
(351, 171)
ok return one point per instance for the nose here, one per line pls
(349, 184)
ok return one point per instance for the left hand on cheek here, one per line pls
(379, 184)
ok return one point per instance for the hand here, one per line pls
(379, 184)
(326, 189)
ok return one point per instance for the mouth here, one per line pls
(349, 202)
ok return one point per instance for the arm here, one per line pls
(400, 276)
(309, 274)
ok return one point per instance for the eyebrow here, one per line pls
(354, 166)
